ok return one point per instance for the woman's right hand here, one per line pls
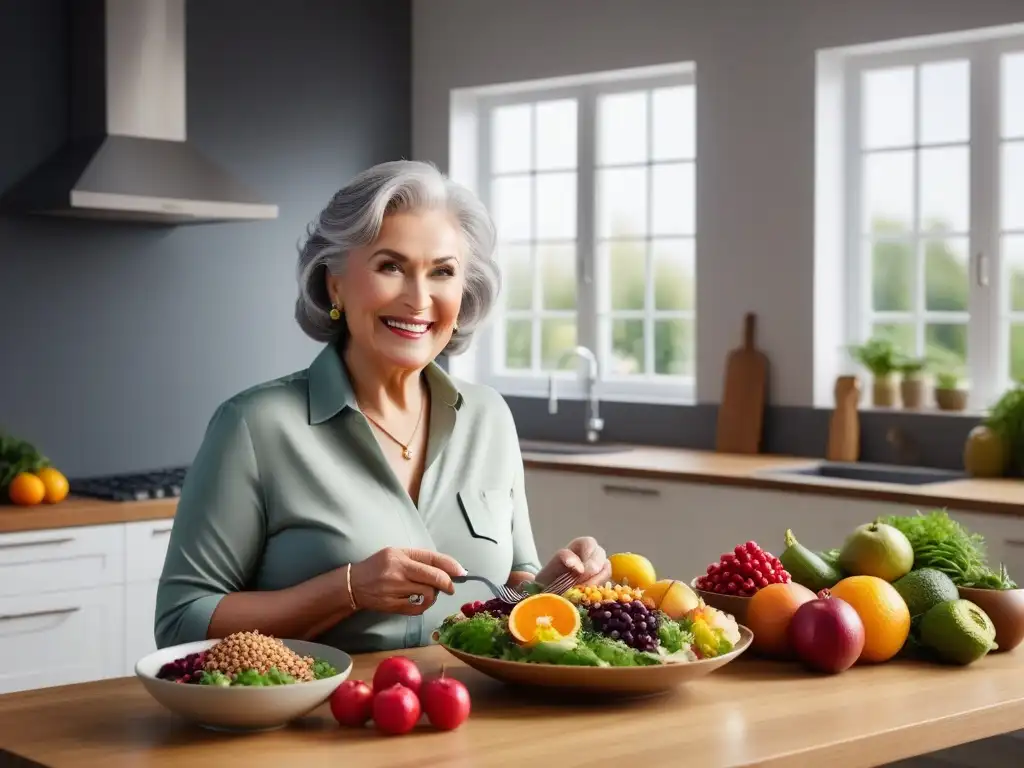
(384, 581)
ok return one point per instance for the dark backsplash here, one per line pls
(129, 336)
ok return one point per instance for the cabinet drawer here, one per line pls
(146, 548)
(34, 562)
(61, 638)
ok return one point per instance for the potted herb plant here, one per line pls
(879, 357)
(912, 383)
(949, 395)
(1006, 419)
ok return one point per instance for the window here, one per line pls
(592, 189)
(935, 215)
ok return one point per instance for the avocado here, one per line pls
(925, 588)
(806, 567)
(958, 632)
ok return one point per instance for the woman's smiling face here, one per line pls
(402, 294)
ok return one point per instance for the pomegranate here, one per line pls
(445, 702)
(396, 710)
(743, 571)
(352, 703)
(827, 634)
(397, 669)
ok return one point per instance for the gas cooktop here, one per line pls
(136, 486)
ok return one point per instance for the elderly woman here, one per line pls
(339, 502)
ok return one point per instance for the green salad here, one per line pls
(607, 636)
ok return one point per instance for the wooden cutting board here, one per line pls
(741, 414)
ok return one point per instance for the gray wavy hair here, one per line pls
(353, 218)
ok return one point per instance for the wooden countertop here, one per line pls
(750, 713)
(1002, 496)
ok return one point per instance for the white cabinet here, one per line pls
(78, 604)
(684, 526)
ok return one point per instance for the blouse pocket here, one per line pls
(488, 513)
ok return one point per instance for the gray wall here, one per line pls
(128, 337)
(755, 64)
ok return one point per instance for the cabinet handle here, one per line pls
(1014, 542)
(32, 614)
(35, 542)
(161, 531)
(631, 490)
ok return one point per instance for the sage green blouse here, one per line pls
(290, 482)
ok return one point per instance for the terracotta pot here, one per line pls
(912, 393)
(951, 399)
(1006, 609)
(884, 392)
(731, 604)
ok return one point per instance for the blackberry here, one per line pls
(494, 606)
(632, 623)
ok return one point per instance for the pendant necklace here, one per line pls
(406, 453)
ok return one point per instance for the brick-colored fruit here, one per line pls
(769, 613)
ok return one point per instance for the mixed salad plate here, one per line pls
(614, 638)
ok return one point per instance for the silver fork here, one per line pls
(501, 591)
(562, 584)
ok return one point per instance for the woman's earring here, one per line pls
(455, 328)
(335, 312)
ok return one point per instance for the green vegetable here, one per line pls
(941, 543)
(17, 456)
(1006, 419)
(215, 678)
(481, 635)
(672, 636)
(831, 556)
(807, 568)
(322, 669)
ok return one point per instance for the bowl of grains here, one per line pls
(247, 681)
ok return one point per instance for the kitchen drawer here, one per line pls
(34, 562)
(61, 638)
(146, 548)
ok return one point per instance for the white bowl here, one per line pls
(242, 708)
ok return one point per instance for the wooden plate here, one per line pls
(620, 681)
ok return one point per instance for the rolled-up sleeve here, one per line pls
(218, 532)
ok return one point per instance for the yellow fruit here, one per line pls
(632, 569)
(56, 485)
(544, 611)
(674, 598)
(883, 612)
(26, 489)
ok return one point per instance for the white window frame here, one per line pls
(570, 384)
(989, 318)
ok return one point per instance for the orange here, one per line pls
(26, 489)
(543, 610)
(884, 614)
(674, 598)
(634, 570)
(56, 485)
(769, 613)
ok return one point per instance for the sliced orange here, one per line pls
(544, 610)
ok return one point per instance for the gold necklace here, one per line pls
(406, 453)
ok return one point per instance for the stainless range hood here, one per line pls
(128, 158)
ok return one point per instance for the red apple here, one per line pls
(352, 703)
(396, 709)
(827, 634)
(397, 669)
(445, 702)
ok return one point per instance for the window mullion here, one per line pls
(986, 364)
(858, 263)
(587, 272)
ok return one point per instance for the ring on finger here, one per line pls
(416, 599)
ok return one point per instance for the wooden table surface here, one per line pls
(750, 713)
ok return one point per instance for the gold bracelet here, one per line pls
(348, 583)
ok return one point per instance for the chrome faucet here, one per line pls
(594, 423)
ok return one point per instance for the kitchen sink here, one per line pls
(870, 473)
(570, 449)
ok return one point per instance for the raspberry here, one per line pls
(743, 571)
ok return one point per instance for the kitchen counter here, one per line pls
(749, 713)
(998, 496)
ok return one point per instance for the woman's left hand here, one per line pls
(583, 557)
